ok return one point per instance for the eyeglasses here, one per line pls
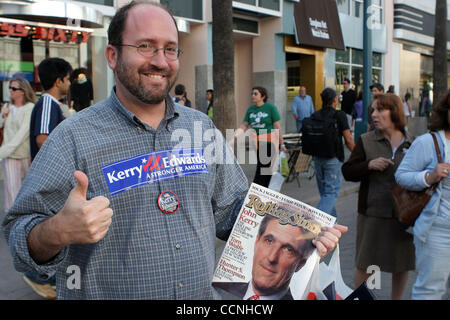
(255, 93)
(15, 89)
(147, 50)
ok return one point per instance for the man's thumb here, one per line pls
(82, 185)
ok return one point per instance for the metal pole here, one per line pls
(361, 127)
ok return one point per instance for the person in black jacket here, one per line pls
(81, 90)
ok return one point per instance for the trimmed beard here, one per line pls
(134, 84)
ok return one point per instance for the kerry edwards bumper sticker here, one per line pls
(154, 167)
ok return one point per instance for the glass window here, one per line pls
(245, 25)
(252, 2)
(376, 60)
(376, 75)
(270, 4)
(343, 56)
(191, 9)
(357, 56)
(293, 74)
(343, 6)
(377, 2)
(342, 72)
(358, 8)
(357, 78)
(102, 2)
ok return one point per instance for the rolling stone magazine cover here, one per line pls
(289, 229)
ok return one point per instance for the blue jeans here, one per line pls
(329, 179)
(433, 262)
(299, 125)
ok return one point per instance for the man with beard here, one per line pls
(124, 156)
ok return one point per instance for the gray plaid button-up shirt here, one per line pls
(146, 253)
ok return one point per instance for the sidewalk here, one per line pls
(307, 191)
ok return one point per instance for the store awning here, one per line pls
(317, 24)
(54, 12)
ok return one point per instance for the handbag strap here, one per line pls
(438, 151)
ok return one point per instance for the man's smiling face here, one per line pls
(149, 79)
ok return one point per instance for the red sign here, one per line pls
(44, 33)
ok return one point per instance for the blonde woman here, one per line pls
(15, 150)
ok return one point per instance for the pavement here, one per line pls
(12, 286)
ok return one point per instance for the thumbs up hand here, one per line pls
(81, 220)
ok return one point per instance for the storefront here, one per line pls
(414, 36)
(33, 31)
(316, 28)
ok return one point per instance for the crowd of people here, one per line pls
(130, 246)
(27, 123)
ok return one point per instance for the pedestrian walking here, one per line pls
(102, 194)
(210, 103)
(15, 150)
(180, 91)
(54, 74)
(381, 239)
(264, 118)
(358, 108)
(81, 90)
(302, 107)
(419, 169)
(348, 99)
(328, 155)
(407, 106)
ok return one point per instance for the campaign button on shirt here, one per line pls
(168, 202)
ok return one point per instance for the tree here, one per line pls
(224, 112)
(440, 51)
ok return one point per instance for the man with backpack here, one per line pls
(322, 138)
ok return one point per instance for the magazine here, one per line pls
(269, 254)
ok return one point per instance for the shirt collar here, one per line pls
(171, 113)
(250, 292)
(380, 136)
(51, 97)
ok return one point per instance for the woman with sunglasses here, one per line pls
(264, 119)
(15, 150)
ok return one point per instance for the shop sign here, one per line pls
(317, 24)
(44, 33)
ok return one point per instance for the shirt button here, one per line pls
(178, 246)
(181, 284)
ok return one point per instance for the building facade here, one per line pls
(279, 44)
(32, 30)
(413, 42)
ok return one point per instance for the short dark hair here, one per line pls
(328, 95)
(347, 80)
(117, 25)
(308, 247)
(180, 89)
(263, 92)
(439, 116)
(377, 85)
(52, 69)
